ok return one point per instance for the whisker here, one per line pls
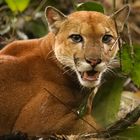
(114, 44)
(102, 81)
(50, 52)
(82, 88)
(114, 61)
(67, 61)
(110, 71)
(52, 57)
(66, 71)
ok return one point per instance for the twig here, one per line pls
(114, 5)
(117, 127)
(118, 34)
(111, 131)
(74, 4)
(42, 3)
(130, 38)
(4, 7)
(130, 42)
(74, 112)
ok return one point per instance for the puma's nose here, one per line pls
(93, 62)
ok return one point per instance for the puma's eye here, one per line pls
(107, 38)
(76, 38)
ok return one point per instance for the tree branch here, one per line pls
(109, 132)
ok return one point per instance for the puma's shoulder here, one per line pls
(20, 48)
(17, 50)
(25, 48)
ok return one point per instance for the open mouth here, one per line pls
(91, 75)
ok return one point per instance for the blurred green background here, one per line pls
(24, 19)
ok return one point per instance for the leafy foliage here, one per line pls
(1, 1)
(90, 6)
(132, 133)
(17, 5)
(131, 66)
(36, 28)
(126, 59)
(135, 73)
(107, 101)
(83, 107)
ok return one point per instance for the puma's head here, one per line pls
(86, 41)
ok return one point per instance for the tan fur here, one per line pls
(29, 71)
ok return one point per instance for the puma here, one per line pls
(44, 81)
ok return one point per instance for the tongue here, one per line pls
(89, 77)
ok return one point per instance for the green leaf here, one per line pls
(1, 1)
(107, 101)
(136, 52)
(90, 6)
(17, 5)
(126, 59)
(35, 29)
(129, 66)
(135, 74)
(132, 133)
(83, 107)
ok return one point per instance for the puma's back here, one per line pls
(41, 79)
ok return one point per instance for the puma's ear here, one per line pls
(54, 18)
(121, 17)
